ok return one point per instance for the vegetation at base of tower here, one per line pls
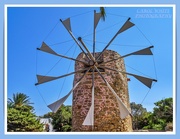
(138, 113)
(62, 119)
(20, 116)
(160, 119)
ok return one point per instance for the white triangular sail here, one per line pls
(46, 48)
(57, 104)
(123, 109)
(97, 17)
(88, 120)
(144, 80)
(92, 116)
(42, 79)
(126, 26)
(67, 24)
(146, 51)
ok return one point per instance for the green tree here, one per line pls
(19, 99)
(62, 119)
(162, 113)
(164, 109)
(148, 120)
(138, 112)
(21, 119)
(20, 116)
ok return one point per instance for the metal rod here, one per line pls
(94, 35)
(146, 81)
(75, 40)
(111, 40)
(125, 55)
(89, 53)
(107, 46)
(55, 106)
(65, 57)
(74, 59)
(120, 103)
(92, 100)
(124, 72)
(54, 78)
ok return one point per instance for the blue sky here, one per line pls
(29, 27)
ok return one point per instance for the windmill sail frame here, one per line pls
(92, 64)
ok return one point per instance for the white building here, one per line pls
(47, 122)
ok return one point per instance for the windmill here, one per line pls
(93, 64)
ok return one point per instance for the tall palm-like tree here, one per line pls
(103, 13)
(18, 100)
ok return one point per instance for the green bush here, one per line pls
(157, 127)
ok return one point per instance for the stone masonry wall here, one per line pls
(106, 114)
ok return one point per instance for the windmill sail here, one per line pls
(145, 51)
(144, 80)
(126, 26)
(67, 24)
(123, 109)
(44, 79)
(46, 48)
(97, 17)
(88, 120)
(56, 105)
(91, 64)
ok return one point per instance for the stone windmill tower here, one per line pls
(100, 90)
(106, 110)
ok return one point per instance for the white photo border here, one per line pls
(6, 6)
